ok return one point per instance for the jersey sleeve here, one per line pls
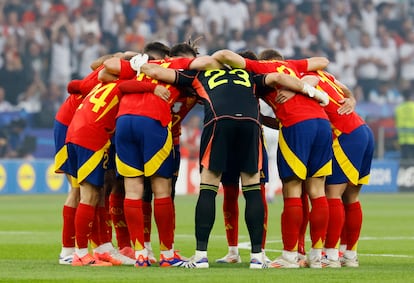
(132, 86)
(126, 71)
(259, 67)
(259, 80)
(90, 81)
(261, 89)
(185, 78)
(180, 63)
(249, 64)
(301, 65)
(74, 87)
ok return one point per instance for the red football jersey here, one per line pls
(300, 107)
(343, 123)
(77, 89)
(66, 111)
(94, 121)
(90, 81)
(148, 104)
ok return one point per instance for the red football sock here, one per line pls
(147, 211)
(68, 229)
(263, 193)
(105, 228)
(290, 222)
(343, 232)
(116, 208)
(318, 221)
(336, 222)
(84, 219)
(163, 211)
(135, 222)
(304, 225)
(95, 238)
(108, 219)
(353, 223)
(173, 204)
(231, 213)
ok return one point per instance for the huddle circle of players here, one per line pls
(117, 140)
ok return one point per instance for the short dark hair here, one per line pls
(249, 54)
(156, 50)
(270, 54)
(183, 50)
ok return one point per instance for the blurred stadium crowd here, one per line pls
(46, 43)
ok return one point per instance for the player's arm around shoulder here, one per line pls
(317, 63)
(277, 80)
(157, 72)
(106, 77)
(205, 63)
(230, 58)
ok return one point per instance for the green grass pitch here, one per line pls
(30, 235)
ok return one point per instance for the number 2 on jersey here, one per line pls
(216, 77)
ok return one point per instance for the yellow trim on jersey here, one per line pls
(325, 170)
(60, 157)
(92, 162)
(346, 165)
(126, 170)
(114, 102)
(294, 162)
(157, 160)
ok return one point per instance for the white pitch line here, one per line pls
(246, 246)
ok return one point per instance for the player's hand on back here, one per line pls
(284, 95)
(162, 92)
(347, 106)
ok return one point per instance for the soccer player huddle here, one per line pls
(117, 140)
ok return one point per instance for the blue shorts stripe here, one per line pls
(353, 155)
(305, 149)
(143, 147)
(88, 165)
